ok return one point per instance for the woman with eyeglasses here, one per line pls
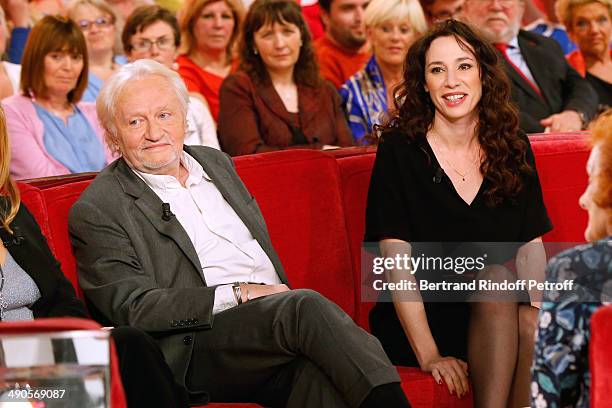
(97, 21)
(52, 132)
(152, 32)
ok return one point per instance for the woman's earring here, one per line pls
(255, 51)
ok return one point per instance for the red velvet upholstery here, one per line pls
(601, 358)
(314, 206)
(71, 323)
(299, 194)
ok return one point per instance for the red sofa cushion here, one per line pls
(299, 195)
(562, 169)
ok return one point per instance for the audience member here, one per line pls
(452, 166)
(440, 10)
(174, 272)
(560, 372)
(122, 10)
(277, 100)
(52, 132)
(97, 21)
(342, 51)
(391, 27)
(9, 72)
(153, 32)
(19, 17)
(209, 29)
(589, 23)
(550, 94)
(34, 287)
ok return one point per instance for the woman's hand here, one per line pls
(452, 370)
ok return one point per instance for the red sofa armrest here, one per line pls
(600, 356)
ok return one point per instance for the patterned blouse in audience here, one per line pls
(560, 372)
(364, 97)
(392, 27)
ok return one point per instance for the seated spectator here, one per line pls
(391, 27)
(52, 132)
(153, 32)
(589, 23)
(97, 21)
(440, 10)
(550, 94)
(9, 72)
(342, 51)
(19, 19)
(34, 286)
(209, 29)
(277, 100)
(188, 230)
(560, 372)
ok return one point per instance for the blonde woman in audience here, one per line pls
(209, 29)
(152, 32)
(391, 27)
(589, 25)
(560, 371)
(97, 21)
(278, 99)
(9, 72)
(52, 132)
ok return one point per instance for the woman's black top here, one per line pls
(603, 89)
(30, 250)
(410, 198)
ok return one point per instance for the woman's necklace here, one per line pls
(462, 175)
(3, 304)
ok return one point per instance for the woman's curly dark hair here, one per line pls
(505, 152)
(263, 12)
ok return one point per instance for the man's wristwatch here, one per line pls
(238, 291)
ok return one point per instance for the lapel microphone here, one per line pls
(437, 178)
(166, 213)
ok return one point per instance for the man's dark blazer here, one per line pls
(142, 270)
(562, 87)
(30, 250)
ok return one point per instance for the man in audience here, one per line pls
(342, 51)
(440, 10)
(551, 95)
(161, 234)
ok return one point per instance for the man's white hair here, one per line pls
(106, 103)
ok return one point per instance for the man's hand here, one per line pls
(250, 291)
(566, 121)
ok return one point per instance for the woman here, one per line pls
(52, 132)
(34, 286)
(209, 29)
(391, 28)
(589, 25)
(560, 372)
(277, 100)
(452, 167)
(9, 72)
(97, 21)
(152, 32)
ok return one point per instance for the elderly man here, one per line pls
(161, 234)
(342, 51)
(551, 95)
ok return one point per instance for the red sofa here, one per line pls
(314, 206)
